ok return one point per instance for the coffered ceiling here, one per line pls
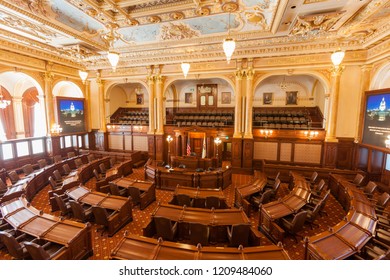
(144, 32)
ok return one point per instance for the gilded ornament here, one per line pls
(154, 19)
(202, 11)
(176, 15)
(229, 7)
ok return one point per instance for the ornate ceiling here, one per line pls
(80, 32)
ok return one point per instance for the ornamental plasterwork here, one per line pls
(37, 7)
(41, 32)
(177, 31)
(312, 25)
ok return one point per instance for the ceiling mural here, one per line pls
(168, 30)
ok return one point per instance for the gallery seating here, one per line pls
(263, 198)
(184, 199)
(212, 202)
(13, 176)
(42, 163)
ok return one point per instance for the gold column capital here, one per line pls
(337, 71)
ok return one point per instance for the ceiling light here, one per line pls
(3, 102)
(185, 67)
(337, 57)
(229, 44)
(83, 75)
(113, 58)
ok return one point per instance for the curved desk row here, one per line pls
(170, 178)
(33, 183)
(118, 204)
(351, 234)
(217, 220)
(76, 237)
(243, 193)
(199, 196)
(289, 204)
(142, 248)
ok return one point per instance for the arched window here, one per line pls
(7, 116)
(31, 120)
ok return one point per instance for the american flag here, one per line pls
(188, 146)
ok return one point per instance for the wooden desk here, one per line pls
(134, 247)
(242, 194)
(217, 220)
(199, 195)
(170, 178)
(146, 187)
(76, 237)
(122, 205)
(285, 206)
(351, 234)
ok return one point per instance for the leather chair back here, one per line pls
(212, 202)
(183, 199)
(238, 235)
(42, 163)
(79, 212)
(14, 248)
(165, 228)
(13, 176)
(101, 215)
(135, 195)
(27, 169)
(36, 251)
(66, 169)
(64, 208)
(199, 233)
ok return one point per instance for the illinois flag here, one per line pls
(188, 146)
(204, 147)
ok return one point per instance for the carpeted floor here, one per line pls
(102, 245)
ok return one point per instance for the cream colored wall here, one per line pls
(347, 113)
(117, 99)
(94, 106)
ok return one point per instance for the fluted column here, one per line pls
(18, 111)
(87, 96)
(334, 100)
(50, 120)
(160, 105)
(238, 105)
(102, 115)
(42, 116)
(249, 104)
(150, 80)
(364, 86)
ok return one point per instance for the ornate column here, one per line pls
(160, 105)
(334, 99)
(18, 111)
(249, 104)
(42, 106)
(102, 115)
(87, 96)
(50, 120)
(238, 108)
(364, 86)
(150, 80)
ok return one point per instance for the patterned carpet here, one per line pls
(102, 245)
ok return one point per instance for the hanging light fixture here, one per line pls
(229, 44)
(283, 84)
(337, 57)
(113, 58)
(83, 75)
(3, 102)
(185, 67)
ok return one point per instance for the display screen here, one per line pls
(71, 115)
(377, 120)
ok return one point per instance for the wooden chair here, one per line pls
(13, 176)
(102, 169)
(48, 251)
(15, 245)
(63, 204)
(358, 179)
(183, 199)
(238, 235)
(199, 234)
(3, 188)
(57, 177)
(137, 196)
(42, 163)
(381, 202)
(115, 190)
(271, 181)
(212, 202)
(102, 217)
(79, 212)
(90, 157)
(27, 169)
(312, 178)
(312, 213)
(294, 224)
(318, 188)
(66, 169)
(370, 188)
(78, 162)
(57, 158)
(53, 183)
(71, 154)
(96, 174)
(165, 228)
(264, 198)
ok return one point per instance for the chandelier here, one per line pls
(283, 84)
(3, 102)
(111, 37)
(229, 44)
(185, 67)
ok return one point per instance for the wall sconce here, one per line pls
(266, 132)
(310, 134)
(169, 140)
(217, 142)
(56, 129)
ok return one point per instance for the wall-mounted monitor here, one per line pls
(376, 126)
(71, 114)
